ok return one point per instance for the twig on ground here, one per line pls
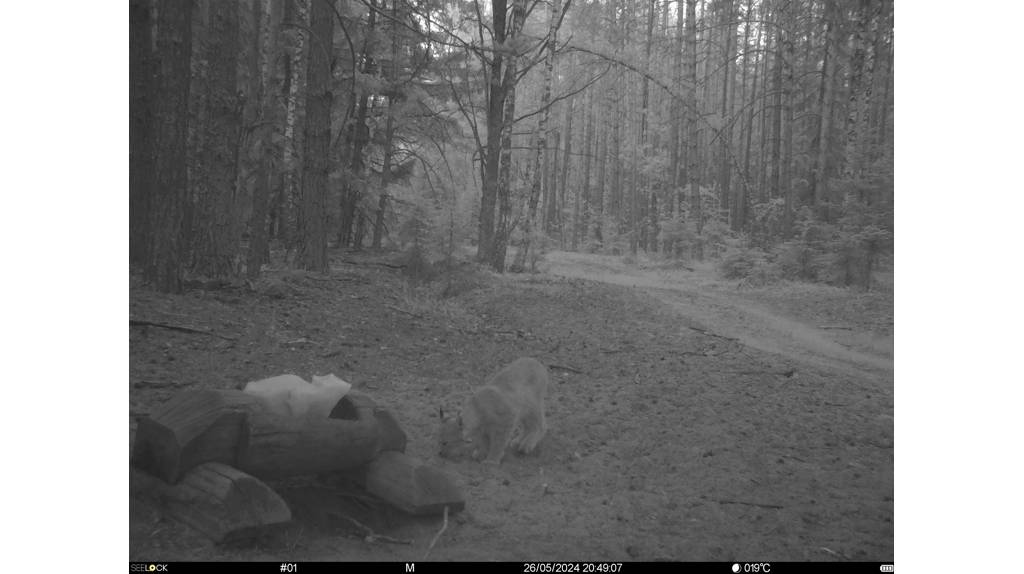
(438, 535)
(179, 328)
(744, 502)
(371, 536)
(787, 373)
(834, 553)
(836, 327)
(564, 368)
(878, 445)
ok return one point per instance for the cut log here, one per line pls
(357, 406)
(220, 501)
(410, 485)
(192, 428)
(234, 428)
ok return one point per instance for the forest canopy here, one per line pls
(758, 133)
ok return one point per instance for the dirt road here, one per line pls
(697, 295)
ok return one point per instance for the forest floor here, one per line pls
(689, 418)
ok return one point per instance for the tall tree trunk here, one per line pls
(312, 254)
(819, 145)
(777, 104)
(357, 240)
(283, 209)
(588, 151)
(692, 170)
(563, 187)
(140, 138)
(503, 224)
(676, 113)
(866, 153)
(599, 190)
(613, 209)
(640, 194)
(174, 47)
(548, 189)
(706, 39)
(503, 228)
(496, 94)
(197, 127)
(542, 138)
(858, 90)
(725, 134)
(217, 222)
(764, 130)
(739, 205)
(394, 98)
(785, 176)
(884, 143)
(354, 184)
(614, 196)
(270, 119)
(385, 180)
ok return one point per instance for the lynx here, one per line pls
(508, 410)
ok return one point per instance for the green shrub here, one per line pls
(418, 269)
(799, 260)
(742, 263)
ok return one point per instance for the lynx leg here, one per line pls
(537, 427)
(527, 428)
(518, 434)
(499, 439)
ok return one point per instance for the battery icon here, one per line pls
(885, 568)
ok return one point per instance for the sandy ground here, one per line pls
(689, 419)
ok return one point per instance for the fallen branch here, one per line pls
(371, 536)
(787, 373)
(835, 327)
(757, 504)
(834, 553)
(179, 328)
(438, 535)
